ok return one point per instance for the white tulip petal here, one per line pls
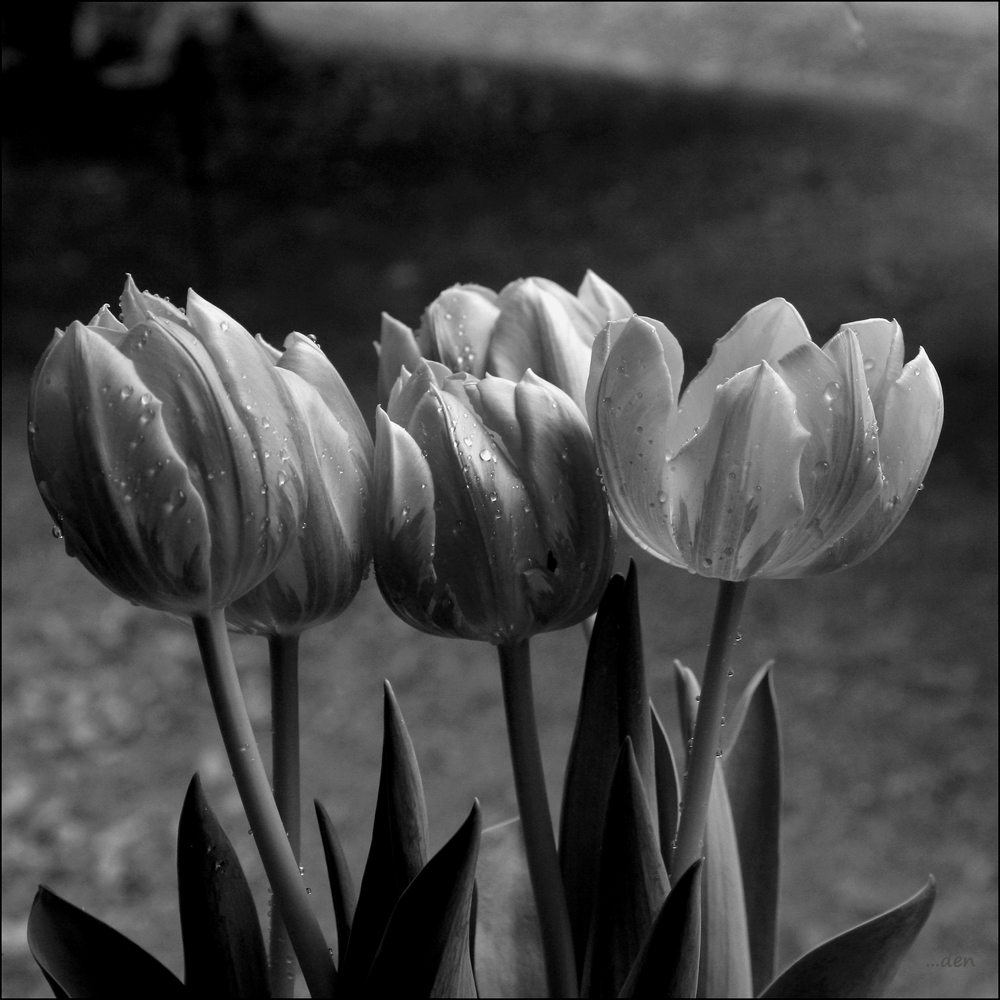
(602, 300)
(733, 491)
(460, 323)
(881, 345)
(766, 333)
(633, 409)
(397, 349)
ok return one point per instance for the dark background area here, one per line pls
(309, 181)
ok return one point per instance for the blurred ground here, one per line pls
(702, 158)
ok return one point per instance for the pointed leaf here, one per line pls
(752, 764)
(82, 956)
(613, 706)
(342, 890)
(667, 966)
(398, 850)
(725, 947)
(509, 960)
(667, 787)
(223, 945)
(631, 884)
(860, 962)
(425, 951)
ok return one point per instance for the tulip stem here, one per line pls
(269, 832)
(284, 655)
(536, 820)
(704, 750)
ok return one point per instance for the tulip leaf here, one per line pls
(223, 945)
(725, 947)
(667, 787)
(509, 959)
(631, 883)
(342, 890)
(613, 705)
(82, 956)
(398, 849)
(425, 950)
(752, 765)
(860, 962)
(667, 966)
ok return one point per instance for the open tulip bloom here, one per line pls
(196, 470)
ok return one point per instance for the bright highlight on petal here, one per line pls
(780, 459)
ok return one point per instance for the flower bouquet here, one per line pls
(197, 470)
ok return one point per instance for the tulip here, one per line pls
(331, 549)
(490, 520)
(533, 323)
(780, 459)
(166, 448)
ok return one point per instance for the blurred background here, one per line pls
(308, 165)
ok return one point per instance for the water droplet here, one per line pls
(831, 392)
(145, 399)
(718, 753)
(707, 561)
(282, 479)
(309, 891)
(730, 673)
(223, 326)
(56, 531)
(126, 391)
(467, 441)
(821, 467)
(920, 487)
(527, 509)
(661, 497)
(869, 364)
(494, 496)
(739, 636)
(486, 454)
(32, 428)
(263, 488)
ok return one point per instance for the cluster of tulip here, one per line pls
(197, 470)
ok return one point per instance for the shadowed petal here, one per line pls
(457, 327)
(733, 491)
(396, 349)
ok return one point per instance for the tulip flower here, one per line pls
(166, 448)
(490, 520)
(533, 323)
(780, 459)
(491, 524)
(331, 549)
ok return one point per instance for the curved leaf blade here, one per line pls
(224, 951)
(345, 899)
(752, 765)
(82, 956)
(425, 951)
(667, 966)
(509, 958)
(613, 706)
(631, 883)
(860, 962)
(399, 845)
(667, 788)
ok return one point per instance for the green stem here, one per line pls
(284, 655)
(251, 780)
(536, 820)
(704, 751)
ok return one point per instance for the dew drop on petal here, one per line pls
(821, 467)
(831, 392)
(126, 391)
(486, 454)
(56, 531)
(869, 364)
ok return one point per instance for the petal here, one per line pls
(139, 306)
(766, 333)
(397, 349)
(272, 352)
(460, 322)
(634, 406)
(322, 570)
(110, 474)
(534, 330)
(733, 491)
(234, 459)
(107, 324)
(602, 300)
(882, 348)
(404, 524)
(567, 503)
(839, 472)
(914, 410)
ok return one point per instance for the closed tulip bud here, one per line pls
(166, 448)
(490, 519)
(780, 459)
(532, 324)
(332, 546)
